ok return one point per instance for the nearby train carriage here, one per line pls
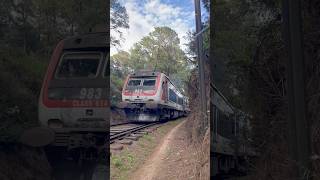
(149, 96)
(230, 131)
(74, 96)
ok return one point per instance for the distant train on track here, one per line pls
(149, 96)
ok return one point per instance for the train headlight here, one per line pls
(54, 93)
(55, 123)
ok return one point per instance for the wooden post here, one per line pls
(203, 103)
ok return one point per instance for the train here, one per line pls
(149, 96)
(74, 99)
(230, 129)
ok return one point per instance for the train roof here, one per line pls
(141, 73)
(232, 109)
(89, 40)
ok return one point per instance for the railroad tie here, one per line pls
(116, 147)
(133, 138)
(141, 132)
(126, 142)
(148, 130)
(137, 135)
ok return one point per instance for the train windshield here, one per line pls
(80, 76)
(149, 82)
(134, 82)
(144, 83)
(76, 65)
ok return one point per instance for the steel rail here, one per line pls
(113, 125)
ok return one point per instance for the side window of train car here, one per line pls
(172, 96)
(180, 101)
(238, 128)
(233, 127)
(165, 90)
(79, 65)
(107, 67)
(224, 125)
(212, 117)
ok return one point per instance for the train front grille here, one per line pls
(61, 139)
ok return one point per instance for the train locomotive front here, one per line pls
(149, 96)
(74, 96)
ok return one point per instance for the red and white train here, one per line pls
(149, 96)
(74, 97)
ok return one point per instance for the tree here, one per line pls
(118, 19)
(159, 50)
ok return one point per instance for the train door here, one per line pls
(164, 96)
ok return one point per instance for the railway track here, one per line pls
(118, 132)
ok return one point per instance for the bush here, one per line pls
(20, 83)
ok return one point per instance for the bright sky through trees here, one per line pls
(144, 15)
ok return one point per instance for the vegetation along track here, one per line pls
(118, 132)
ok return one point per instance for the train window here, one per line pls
(134, 82)
(180, 101)
(149, 82)
(233, 131)
(225, 125)
(107, 67)
(79, 65)
(213, 118)
(172, 96)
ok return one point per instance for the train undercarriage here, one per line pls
(150, 112)
(80, 152)
(224, 164)
(73, 153)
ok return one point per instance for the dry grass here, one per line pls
(199, 134)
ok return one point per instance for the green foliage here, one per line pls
(119, 69)
(116, 161)
(235, 39)
(123, 163)
(147, 137)
(160, 51)
(36, 26)
(20, 81)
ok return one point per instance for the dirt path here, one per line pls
(173, 159)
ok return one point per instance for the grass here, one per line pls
(148, 137)
(124, 161)
(132, 157)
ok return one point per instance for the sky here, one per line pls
(144, 15)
